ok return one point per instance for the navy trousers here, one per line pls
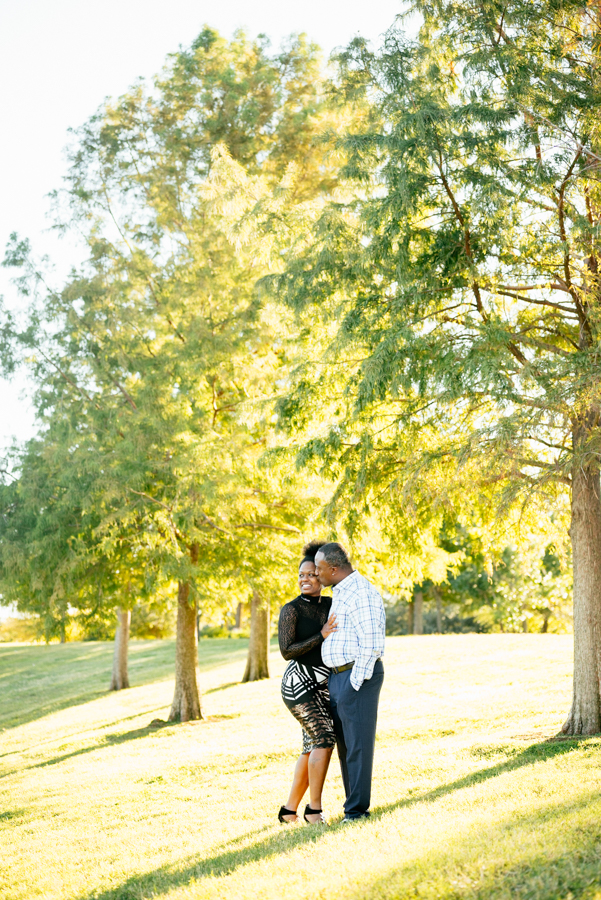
(355, 714)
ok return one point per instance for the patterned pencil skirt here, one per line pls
(305, 693)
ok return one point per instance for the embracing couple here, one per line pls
(332, 683)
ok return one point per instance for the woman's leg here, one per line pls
(300, 783)
(319, 760)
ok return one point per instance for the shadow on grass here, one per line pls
(222, 687)
(111, 740)
(570, 869)
(40, 680)
(163, 880)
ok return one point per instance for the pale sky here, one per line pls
(60, 58)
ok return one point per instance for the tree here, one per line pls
(257, 663)
(464, 276)
(160, 343)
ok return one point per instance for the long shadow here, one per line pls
(39, 680)
(166, 878)
(108, 741)
(111, 740)
(570, 872)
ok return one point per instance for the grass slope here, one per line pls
(470, 799)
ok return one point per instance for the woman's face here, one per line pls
(308, 581)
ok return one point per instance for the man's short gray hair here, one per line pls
(335, 555)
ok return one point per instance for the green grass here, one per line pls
(471, 799)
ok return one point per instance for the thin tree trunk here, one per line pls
(120, 678)
(585, 533)
(186, 697)
(257, 663)
(546, 617)
(418, 613)
(410, 616)
(238, 616)
(438, 610)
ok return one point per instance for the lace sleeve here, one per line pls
(287, 633)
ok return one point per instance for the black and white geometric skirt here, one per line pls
(305, 693)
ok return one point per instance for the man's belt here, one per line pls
(338, 669)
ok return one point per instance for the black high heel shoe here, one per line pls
(286, 812)
(314, 812)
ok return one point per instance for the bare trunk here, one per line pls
(238, 616)
(257, 663)
(525, 625)
(186, 697)
(585, 533)
(438, 611)
(410, 616)
(546, 617)
(120, 678)
(418, 613)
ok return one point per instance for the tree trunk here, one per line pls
(186, 697)
(120, 678)
(238, 616)
(585, 533)
(438, 611)
(418, 613)
(546, 617)
(257, 663)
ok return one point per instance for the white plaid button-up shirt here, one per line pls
(361, 622)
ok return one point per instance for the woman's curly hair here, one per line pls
(310, 551)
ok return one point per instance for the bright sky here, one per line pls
(60, 59)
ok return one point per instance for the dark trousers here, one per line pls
(355, 714)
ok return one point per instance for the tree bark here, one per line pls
(438, 610)
(120, 677)
(410, 616)
(585, 534)
(418, 613)
(257, 663)
(238, 616)
(186, 697)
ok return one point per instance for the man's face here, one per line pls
(324, 570)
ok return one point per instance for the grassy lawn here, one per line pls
(471, 799)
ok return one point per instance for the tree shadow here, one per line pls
(40, 680)
(222, 687)
(463, 872)
(166, 878)
(111, 740)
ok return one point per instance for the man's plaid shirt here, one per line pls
(361, 622)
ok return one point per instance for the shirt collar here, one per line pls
(345, 582)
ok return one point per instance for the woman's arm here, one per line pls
(289, 647)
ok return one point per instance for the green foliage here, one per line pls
(156, 362)
(521, 589)
(457, 280)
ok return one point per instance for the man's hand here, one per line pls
(329, 627)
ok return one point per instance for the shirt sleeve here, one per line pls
(289, 648)
(368, 619)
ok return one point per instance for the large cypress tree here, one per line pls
(464, 276)
(159, 343)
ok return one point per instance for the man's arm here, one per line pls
(368, 619)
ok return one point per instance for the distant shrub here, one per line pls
(20, 630)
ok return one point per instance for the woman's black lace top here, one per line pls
(299, 628)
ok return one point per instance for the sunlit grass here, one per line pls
(470, 799)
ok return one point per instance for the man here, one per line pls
(353, 652)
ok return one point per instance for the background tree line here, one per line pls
(360, 302)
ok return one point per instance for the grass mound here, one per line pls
(472, 800)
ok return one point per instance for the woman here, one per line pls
(303, 626)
